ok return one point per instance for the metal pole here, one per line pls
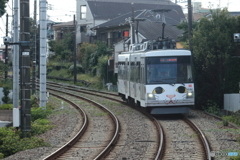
(75, 57)
(6, 49)
(34, 49)
(25, 68)
(43, 50)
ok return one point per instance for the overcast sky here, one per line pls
(63, 11)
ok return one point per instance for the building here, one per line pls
(91, 13)
(61, 28)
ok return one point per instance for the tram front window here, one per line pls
(168, 70)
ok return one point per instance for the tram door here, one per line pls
(142, 79)
(126, 79)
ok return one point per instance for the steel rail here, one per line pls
(201, 136)
(117, 125)
(70, 143)
(161, 146)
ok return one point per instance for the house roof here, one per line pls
(102, 10)
(65, 24)
(168, 2)
(151, 28)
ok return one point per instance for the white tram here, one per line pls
(159, 80)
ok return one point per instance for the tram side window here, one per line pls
(120, 70)
(125, 72)
(132, 72)
(138, 72)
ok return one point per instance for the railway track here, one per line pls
(77, 145)
(201, 142)
(156, 140)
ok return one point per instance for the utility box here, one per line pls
(16, 117)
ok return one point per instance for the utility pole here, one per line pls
(34, 49)
(43, 50)
(25, 67)
(75, 69)
(132, 25)
(6, 50)
(190, 24)
(15, 58)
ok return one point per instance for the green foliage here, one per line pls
(184, 27)
(89, 55)
(84, 54)
(3, 67)
(212, 108)
(5, 98)
(79, 69)
(6, 107)
(11, 142)
(63, 48)
(233, 118)
(40, 126)
(40, 113)
(6, 83)
(212, 49)
(235, 158)
(2, 7)
(33, 101)
(225, 122)
(102, 66)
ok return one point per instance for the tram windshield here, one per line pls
(168, 70)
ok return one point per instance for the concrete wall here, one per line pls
(5, 115)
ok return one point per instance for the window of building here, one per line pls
(83, 12)
(83, 29)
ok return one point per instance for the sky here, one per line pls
(63, 11)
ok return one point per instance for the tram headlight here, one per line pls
(190, 94)
(151, 96)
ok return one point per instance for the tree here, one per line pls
(213, 47)
(2, 7)
(184, 26)
(5, 98)
(63, 49)
(89, 55)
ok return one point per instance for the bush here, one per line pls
(212, 108)
(34, 101)
(6, 107)
(11, 142)
(234, 119)
(5, 98)
(1, 155)
(40, 126)
(40, 113)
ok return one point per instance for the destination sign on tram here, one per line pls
(168, 60)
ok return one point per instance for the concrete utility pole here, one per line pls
(6, 49)
(43, 51)
(132, 25)
(25, 67)
(15, 57)
(34, 49)
(74, 57)
(190, 24)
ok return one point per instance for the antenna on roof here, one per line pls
(159, 11)
(138, 19)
